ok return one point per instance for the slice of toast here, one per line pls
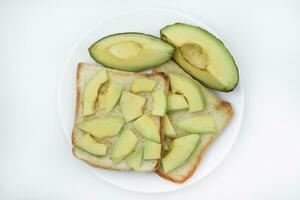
(84, 74)
(221, 112)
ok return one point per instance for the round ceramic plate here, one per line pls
(148, 21)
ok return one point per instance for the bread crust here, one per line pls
(221, 105)
(78, 102)
(77, 105)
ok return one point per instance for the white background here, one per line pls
(37, 36)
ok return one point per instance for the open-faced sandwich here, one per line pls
(161, 120)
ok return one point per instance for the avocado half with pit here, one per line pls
(202, 55)
(131, 51)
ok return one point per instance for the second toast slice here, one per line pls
(220, 110)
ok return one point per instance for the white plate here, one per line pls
(147, 21)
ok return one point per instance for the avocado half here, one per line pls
(131, 51)
(202, 55)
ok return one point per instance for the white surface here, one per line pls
(35, 39)
(133, 21)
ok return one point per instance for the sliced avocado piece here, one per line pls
(124, 145)
(147, 128)
(166, 146)
(102, 126)
(143, 85)
(91, 92)
(202, 55)
(198, 124)
(182, 148)
(131, 105)
(152, 150)
(135, 159)
(176, 102)
(131, 51)
(159, 103)
(168, 129)
(189, 89)
(168, 141)
(88, 144)
(108, 99)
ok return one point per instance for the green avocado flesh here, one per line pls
(124, 145)
(102, 127)
(90, 93)
(147, 128)
(176, 102)
(135, 159)
(181, 149)
(189, 89)
(152, 150)
(159, 103)
(88, 144)
(198, 124)
(202, 55)
(168, 129)
(109, 98)
(131, 51)
(131, 105)
(166, 147)
(143, 85)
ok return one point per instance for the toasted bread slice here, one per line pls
(221, 112)
(84, 74)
